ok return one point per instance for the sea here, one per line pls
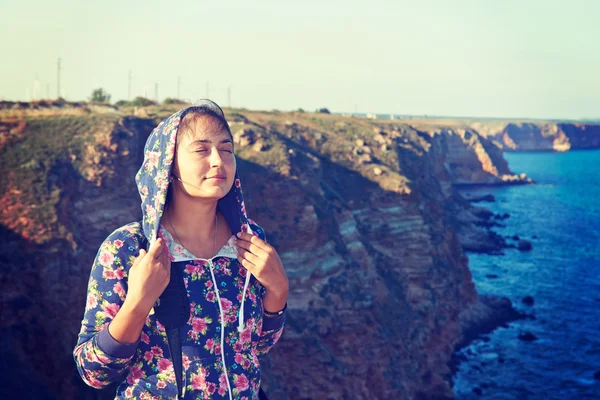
(560, 216)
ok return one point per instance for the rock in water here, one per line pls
(528, 300)
(527, 337)
(524, 245)
(483, 198)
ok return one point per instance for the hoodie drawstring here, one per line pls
(246, 283)
(241, 318)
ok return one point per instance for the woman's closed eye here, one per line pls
(201, 150)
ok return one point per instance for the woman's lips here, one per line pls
(217, 177)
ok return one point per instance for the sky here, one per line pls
(480, 58)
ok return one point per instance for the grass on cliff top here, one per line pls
(26, 163)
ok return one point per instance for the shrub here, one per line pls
(171, 100)
(137, 102)
(100, 96)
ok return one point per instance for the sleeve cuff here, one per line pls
(113, 348)
(273, 323)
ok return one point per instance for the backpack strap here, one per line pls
(172, 311)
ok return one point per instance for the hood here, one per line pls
(153, 182)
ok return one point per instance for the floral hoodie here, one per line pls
(223, 334)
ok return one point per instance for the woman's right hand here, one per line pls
(148, 277)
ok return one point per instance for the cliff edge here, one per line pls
(365, 215)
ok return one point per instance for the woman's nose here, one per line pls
(215, 158)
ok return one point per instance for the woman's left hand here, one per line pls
(262, 260)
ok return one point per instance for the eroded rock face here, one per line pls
(544, 136)
(380, 287)
(472, 159)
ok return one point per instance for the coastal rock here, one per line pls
(524, 245)
(528, 300)
(365, 159)
(473, 227)
(527, 337)
(471, 159)
(501, 216)
(244, 137)
(368, 256)
(260, 145)
(481, 198)
(380, 138)
(485, 316)
(541, 136)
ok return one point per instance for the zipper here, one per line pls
(222, 322)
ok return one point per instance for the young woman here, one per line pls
(183, 303)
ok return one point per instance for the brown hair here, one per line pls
(206, 112)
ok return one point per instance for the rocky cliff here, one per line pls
(364, 214)
(543, 136)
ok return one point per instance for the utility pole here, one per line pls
(36, 89)
(178, 87)
(129, 87)
(58, 80)
(229, 96)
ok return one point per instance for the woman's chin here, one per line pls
(212, 192)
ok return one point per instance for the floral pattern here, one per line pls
(146, 370)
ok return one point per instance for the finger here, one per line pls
(249, 256)
(254, 240)
(165, 262)
(248, 265)
(163, 259)
(156, 248)
(141, 255)
(253, 248)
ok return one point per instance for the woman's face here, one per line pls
(204, 160)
